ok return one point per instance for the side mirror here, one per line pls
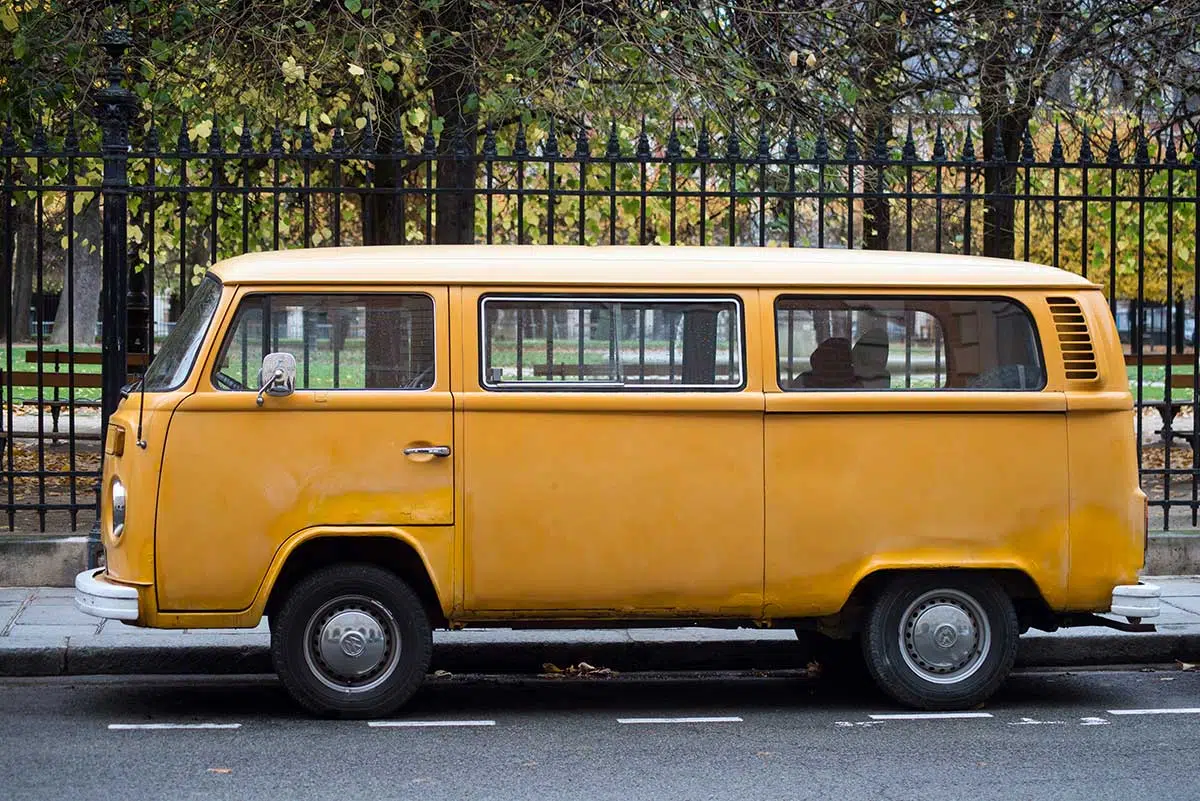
(277, 376)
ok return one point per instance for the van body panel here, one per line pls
(1108, 508)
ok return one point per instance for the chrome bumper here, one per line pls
(1138, 601)
(98, 597)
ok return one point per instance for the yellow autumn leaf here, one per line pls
(389, 38)
(325, 118)
(360, 123)
(292, 72)
(8, 18)
(811, 61)
(202, 129)
(356, 70)
(793, 58)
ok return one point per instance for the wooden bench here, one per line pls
(563, 370)
(1168, 410)
(61, 377)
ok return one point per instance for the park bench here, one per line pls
(58, 373)
(1168, 410)
(568, 370)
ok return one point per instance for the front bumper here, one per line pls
(95, 595)
(1136, 601)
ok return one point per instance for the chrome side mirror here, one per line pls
(277, 376)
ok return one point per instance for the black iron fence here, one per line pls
(106, 227)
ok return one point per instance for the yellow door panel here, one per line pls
(240, 479)
(619, 502)
(630, 511)
(847, 493)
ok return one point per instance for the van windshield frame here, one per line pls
(175, 359)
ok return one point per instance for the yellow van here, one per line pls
(930, 454)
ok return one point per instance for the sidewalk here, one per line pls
(42, 634)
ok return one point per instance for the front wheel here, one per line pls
(351, 641)
(941, 642)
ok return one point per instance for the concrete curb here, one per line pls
(69, 659)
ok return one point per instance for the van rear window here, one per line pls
(906, 343)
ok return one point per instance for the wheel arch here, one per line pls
(1030, 604)
(392, 549)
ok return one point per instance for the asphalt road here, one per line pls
(1046, 736)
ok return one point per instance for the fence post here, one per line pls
(114, 111)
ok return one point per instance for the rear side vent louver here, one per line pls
(1079, 357)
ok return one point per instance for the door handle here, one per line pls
(431, 450)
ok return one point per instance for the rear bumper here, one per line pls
(95, 595)
(1136, 601)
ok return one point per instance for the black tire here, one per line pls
(347, 598)
(898, 638)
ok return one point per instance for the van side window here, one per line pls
(906, 343)
(609, 343)
(383, 341)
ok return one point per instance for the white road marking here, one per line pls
(1187, 710)
(163, 726)
(929, 715)
(418, 724)
(680, 720)
(1035, 722)
(1093, 722)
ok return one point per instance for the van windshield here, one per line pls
(175, 358)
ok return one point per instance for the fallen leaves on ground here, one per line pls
(1187, 665)
(581, 670)
(1154, 457)
(53, 460)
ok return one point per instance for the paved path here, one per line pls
(1092, 736)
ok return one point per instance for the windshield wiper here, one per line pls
(131, 387)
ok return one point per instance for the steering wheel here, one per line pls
(228, 382)
(418, 381)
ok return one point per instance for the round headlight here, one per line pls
(118, 508)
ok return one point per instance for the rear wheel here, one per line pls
(943, 641)
(351, 641)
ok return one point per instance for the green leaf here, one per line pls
(19, 46)
(353, 6)
(386, 83)
(8, 18)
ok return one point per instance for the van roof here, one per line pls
(641, 266)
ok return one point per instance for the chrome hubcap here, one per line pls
(944, 636)
(352, 644)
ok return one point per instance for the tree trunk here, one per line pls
(452, 80)
(24, 267)
(1002, 121)
(877, 208)
(87, 280)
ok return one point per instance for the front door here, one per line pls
(238, 478)
(613, 457)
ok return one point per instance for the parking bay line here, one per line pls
(1190, 710)
(638, 721)
(418, 724)
(929, 715)
(170, 726)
